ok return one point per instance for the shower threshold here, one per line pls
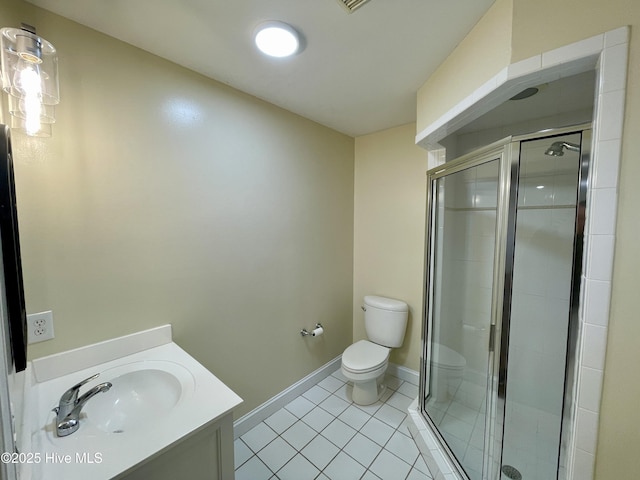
(437, 461)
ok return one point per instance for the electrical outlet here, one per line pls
(40, 327)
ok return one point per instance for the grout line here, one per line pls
(249, 458)
(298, 451)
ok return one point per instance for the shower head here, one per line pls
(557, 148)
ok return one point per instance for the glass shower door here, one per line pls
(543, 270)
(460, 288)
(504, 258)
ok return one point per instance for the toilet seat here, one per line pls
(364, 356)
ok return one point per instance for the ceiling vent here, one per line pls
(352, 5)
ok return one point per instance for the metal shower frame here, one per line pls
(507, 152)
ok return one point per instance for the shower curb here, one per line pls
(437, 463)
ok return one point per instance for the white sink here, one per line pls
(136, 399)
(146, 396)
(159, 397)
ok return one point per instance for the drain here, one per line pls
(511, 472)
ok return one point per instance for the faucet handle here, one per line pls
(71, 395)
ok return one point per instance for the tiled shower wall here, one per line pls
(468, 243)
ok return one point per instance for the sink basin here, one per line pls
(145, 397)
(135, 399)
(161, 398)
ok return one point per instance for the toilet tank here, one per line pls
(385, 320)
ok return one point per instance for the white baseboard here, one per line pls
(271, 406)
(404, 373)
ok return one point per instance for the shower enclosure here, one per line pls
(503, 266)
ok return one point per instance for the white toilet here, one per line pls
(365, 362)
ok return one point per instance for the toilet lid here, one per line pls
(364, 356)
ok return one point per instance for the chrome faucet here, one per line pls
(69, 407)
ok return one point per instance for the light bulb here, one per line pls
(32, 116)
(27, 80)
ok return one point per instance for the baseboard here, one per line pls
(271, 406)
(404, 373)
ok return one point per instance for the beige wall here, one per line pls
(166, 197)
(542, 26)
(389, 218)
(481, 55)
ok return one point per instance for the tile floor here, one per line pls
(461, 421)
(531, 435)
(323, 435)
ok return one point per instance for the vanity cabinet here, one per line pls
(168, 417)
(205, 455)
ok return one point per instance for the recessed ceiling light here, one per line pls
(526, 93)
(277, 39)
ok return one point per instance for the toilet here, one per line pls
(364, 362)
(447, 368)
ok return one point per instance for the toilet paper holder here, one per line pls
(304, 332)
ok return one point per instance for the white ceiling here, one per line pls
(358, 73)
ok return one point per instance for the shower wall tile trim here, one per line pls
(596, 304)
(573, 51)
(604, 202)
(612, 48)
(605, 170)
(600, 234)
(599, 258)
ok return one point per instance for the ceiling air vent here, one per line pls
(352, 5)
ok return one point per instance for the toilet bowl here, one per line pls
(365, 362)
(447, 368)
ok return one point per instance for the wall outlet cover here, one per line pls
(40, 327)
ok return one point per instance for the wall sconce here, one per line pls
(29, 69)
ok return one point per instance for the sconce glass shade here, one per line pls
(29, 66)
(23, 107)
(30, 128)
(29, 74)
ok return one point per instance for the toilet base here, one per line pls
(369, 392)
